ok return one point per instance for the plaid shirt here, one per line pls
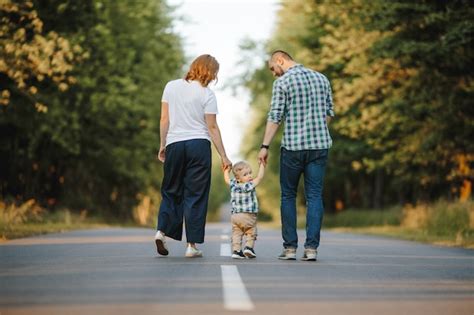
(243, 197)
(302, 98)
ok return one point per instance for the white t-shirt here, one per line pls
(188, 102)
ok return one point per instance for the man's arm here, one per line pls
(270, 132)
(275, 117)
(329, 105)
(164, 126)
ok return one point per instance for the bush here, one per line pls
(451, 219)
(29, 211)
(447, 219)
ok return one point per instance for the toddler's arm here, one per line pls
(261, 172)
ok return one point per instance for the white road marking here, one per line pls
(225, 250)
(236, 297)
(225, 237)
(226, 230)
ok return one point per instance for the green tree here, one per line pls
(402, 83)
(95, 148)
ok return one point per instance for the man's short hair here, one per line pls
(282, 53)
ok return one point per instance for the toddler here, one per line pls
(244, 207)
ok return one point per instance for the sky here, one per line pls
(217, 27)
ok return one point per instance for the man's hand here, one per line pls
(270, 130)
(263, 156)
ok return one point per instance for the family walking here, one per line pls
(301, 99)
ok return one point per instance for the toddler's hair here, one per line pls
(239, 166)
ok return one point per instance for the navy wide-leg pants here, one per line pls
(185, 189)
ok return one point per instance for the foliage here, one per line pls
(402, 80)
(441, 218)
(95, 146)
(29, 211)
(448, 219)
(30, 219)
(28, 56)
(440, 222)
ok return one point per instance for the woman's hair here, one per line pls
(239, 166)
(203, 69)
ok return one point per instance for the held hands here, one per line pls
(226, 164)
(263, 156)
(226, 167)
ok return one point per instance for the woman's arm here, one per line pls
(216, 138)
(164, 125)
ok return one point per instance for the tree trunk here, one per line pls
(378, 189)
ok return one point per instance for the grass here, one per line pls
(399, 232)
(441, 223)
(30, 229)
(29, 219)
(363, 218)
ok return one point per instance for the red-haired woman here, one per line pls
(188, 124)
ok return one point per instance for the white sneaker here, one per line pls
(160, 242)
(288, 254)
(192, 252)
(237, 255)
(310, 254)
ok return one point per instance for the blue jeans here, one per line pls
(310, 163)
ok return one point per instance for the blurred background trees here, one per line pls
(81, 84)
(402, 78)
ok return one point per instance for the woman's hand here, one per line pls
(225, 168)
(161, 154)
(226, 163)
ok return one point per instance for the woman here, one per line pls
(188, 124)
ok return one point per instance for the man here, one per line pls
(302, 99)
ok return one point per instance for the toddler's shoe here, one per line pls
(160, 242)
(238, 255)
(193, 252)
(249, 252)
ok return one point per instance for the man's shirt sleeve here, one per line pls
(329, 103)
(277, 107)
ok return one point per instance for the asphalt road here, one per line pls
(117, 271)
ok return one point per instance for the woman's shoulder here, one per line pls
(177, 85)
(175, 82)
